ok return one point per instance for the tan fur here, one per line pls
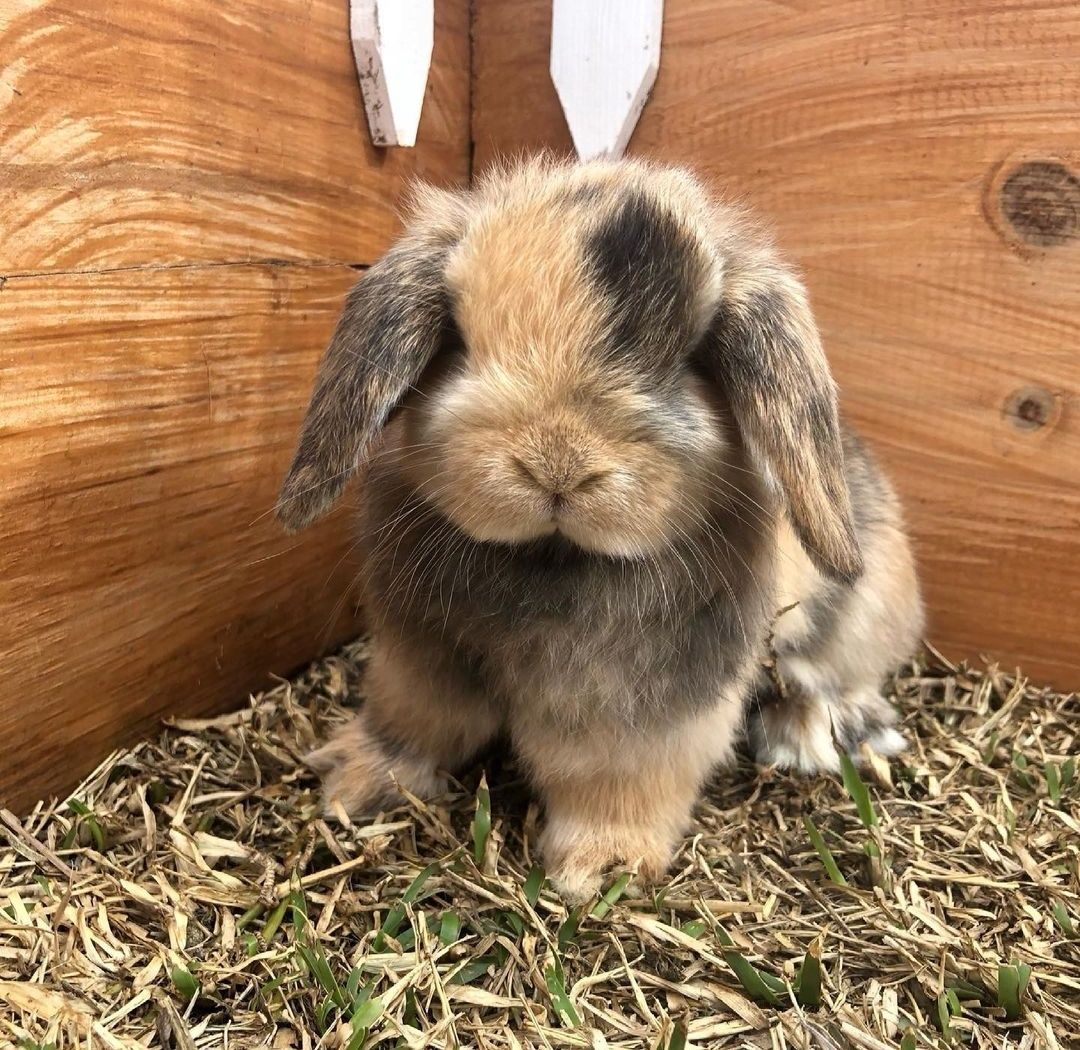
(619, 798)
(410, 734)
(535, 404)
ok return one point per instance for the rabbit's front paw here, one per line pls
(362, 772)
(581, 860)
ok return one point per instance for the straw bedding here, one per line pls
(189, 895)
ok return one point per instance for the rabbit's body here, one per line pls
(616, 473)
(835, 643)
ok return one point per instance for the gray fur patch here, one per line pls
(648, 270)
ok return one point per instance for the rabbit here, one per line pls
(604, 479)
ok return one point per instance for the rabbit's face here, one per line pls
(569, 402)
(575, 348)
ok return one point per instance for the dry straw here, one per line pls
(189, 895)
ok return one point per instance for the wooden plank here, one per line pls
(511, 64)
(921, 161)
(141, 573)
(170, 131)
(179, 189)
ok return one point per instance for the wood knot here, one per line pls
(1040, 199)
(1030, 408)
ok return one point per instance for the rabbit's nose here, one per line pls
(557, 480)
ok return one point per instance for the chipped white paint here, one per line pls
(392, 42)
(604, 59)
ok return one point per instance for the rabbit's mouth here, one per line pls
(593, 530)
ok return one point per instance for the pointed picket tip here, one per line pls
(605, 55)
(392, 42)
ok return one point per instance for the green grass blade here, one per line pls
(367, 1013)
(1020, 767)
(396, 915)
(568, 931)
(678, 1036)
(184, 983)
(472, 970)
(413, 892)
(807, 986)
(611, 896)
(85, 817)
(965, 991)
(270, 927)
(449, 928)
(944, 1018)
(481, 825)
(319, 967)
(1012, 983)
(559, 999)
(364, 1016)
(762, 987)
(412, 1008)
(534, 884)
(1064, 919)
(253, 913)
(857, 789)
(352, 985)
(390, 927)
(324, 1012)
(823, 851)
(1053, 782)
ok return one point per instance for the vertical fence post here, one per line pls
(604, 58)
(392, 41)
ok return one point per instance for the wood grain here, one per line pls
(181, 187)
(170, 131)
(921, 161)
(141, 571)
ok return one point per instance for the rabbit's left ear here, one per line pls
(392, 326)
(764, 349)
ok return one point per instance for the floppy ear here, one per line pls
(765, 349)
(389, 331)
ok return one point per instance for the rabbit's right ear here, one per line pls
(765, 349)
(392, 325)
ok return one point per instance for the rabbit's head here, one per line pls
(577, 349)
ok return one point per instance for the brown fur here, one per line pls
(617, 456)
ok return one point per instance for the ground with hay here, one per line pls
(189, 895)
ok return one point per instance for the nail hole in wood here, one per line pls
(1029, 408)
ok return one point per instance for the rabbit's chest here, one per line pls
(587, 663)
(570, 674)
(571, 638)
